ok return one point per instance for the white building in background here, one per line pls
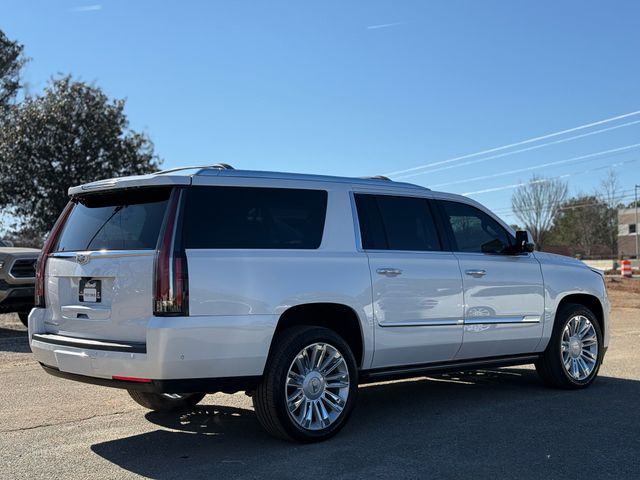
(627, 232)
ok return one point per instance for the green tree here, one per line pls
(582, 222)
(11, 61)
(71, 134)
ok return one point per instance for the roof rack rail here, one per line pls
(219, 166)
(379, 177)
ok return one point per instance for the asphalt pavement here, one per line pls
(493, 424)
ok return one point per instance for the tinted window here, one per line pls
(242, 217)
(396, 223)
(473, 230)
(371, 226)
(124, 220)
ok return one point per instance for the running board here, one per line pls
(407, 371)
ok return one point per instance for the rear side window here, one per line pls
(120, 220)
(396, 223)
(473, 230)
(246, 217)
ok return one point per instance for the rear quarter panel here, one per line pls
(251, 282)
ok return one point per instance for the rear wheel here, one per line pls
(24, 318)
(166, 402)
(309, 386)
(572, 358)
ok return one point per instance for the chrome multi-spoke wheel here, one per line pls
(574, 353)
(579, 347)
(317, 386)
(309, 386)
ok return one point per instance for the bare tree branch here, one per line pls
(610, 195)
(536, 205)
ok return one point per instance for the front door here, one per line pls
(503, 293)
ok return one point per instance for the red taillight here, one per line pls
(171, 277)
(46, 250)
(131, 379)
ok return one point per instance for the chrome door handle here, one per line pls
(476, 273)
(389, 272)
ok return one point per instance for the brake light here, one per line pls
(39, 299)
(171, 277)
(131, 379)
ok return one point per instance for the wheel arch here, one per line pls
(589, 301)
(338, 317)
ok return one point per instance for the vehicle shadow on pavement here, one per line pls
(498, 423)
(12, 340)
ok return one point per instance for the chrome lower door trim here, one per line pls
(424, 323)
(500, 320)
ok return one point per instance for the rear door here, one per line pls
(503, 293)
(417, 287)
(99, 277)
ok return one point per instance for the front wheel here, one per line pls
(309, 386)
(574, 354)
(166, 402)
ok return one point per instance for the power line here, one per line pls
(516, 144)
(505, 210)
(623, 195)
(542, 180)
(549, 164)
(521, 150)
(511, 213)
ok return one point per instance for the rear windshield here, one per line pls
(122, 220)
(261, 218)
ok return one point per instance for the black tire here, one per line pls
(24, 318)
(270, 397)
(159, 402)
(550, 366)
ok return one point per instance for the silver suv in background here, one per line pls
(17, 279)
(297, 288)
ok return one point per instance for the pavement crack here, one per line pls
(67, 422)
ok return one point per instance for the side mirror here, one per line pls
(524, 241)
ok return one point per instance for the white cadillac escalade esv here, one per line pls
(296, 288)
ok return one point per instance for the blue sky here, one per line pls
(358, 88)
